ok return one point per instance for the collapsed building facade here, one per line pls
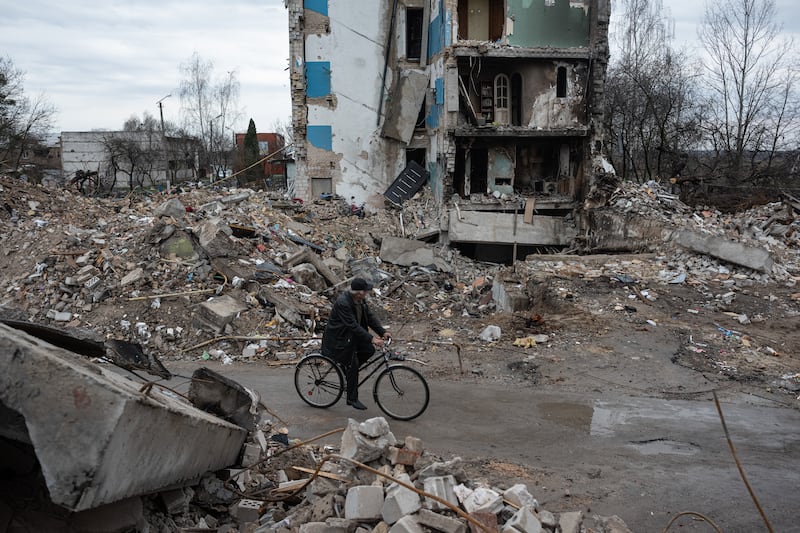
(495, 104)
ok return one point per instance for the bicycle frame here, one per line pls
(375, 361)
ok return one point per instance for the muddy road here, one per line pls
(642, 458)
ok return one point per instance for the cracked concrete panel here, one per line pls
(500, 228)
(98, 436)
(403, 104)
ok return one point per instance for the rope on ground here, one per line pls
(739, 465)
(692, 513)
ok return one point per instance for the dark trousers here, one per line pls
(351, 362)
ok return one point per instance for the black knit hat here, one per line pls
(360, 284)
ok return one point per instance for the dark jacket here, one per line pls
(344, 332)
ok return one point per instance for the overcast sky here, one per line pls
(101, 62)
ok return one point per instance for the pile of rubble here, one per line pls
(371, 482)
(774, 227)
(245, 264)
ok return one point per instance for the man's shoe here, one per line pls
(356, 404)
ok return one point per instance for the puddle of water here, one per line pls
(659, 446)
(574, 415)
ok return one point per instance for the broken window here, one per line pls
(501, 99)
(423, 113)
(413, 33)
(561, 82)
(516, 99)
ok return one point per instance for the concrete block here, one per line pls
(510, 297)
(442, 487)
(363, 503)
(106, 427)
(219, 312)
(547, 519)
(402, 456)
(730, 251)
(214, 237)
(440, 522)
(374, 427)
(339, 525)
(366, 441)
(251, 454)
(328, 526)
(247, 511)
(171, 208)
(483, 499)
(414, 444)
(519, 496)
(406, 252)
(571, 522)
(486, 519)
(523, 521)
(407, 524)
(399, 501)
(132, 277)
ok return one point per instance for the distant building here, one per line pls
(122, 159)
(270, 146)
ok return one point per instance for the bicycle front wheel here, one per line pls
(401, 392)
(318, 380)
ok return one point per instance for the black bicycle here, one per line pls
(399, 390)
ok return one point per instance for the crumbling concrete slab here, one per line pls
(727, 250)
(220, 311)
(500, 228)
(97, 436)
(510, 297)
(408, 252)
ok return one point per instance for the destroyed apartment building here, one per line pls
(496, 105)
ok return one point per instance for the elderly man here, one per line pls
(347, 338)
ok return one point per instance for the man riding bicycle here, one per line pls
(347, 339)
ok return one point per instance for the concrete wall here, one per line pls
(342, 63)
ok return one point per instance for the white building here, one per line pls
(125, 159)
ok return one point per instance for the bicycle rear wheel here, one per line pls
(401, 392)
(318, 380)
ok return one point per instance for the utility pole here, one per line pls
(161, 111)
(211, 144)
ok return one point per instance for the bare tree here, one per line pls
(284, 129)
(649, 93)
(209, 107)
(135, 155)
(753, 85)
(24, 121)
(147, 123)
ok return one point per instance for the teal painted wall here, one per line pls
(559, 25)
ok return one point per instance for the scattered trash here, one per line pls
(490, 334)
